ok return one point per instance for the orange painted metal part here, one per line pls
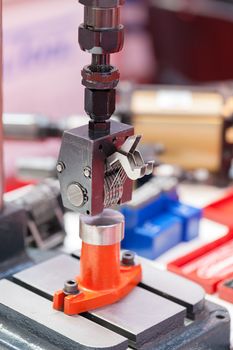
(102, 280)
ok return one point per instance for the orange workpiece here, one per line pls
(103, 280)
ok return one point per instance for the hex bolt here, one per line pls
(87, 172)
(60, 167)
(71, 287)
(128, 258)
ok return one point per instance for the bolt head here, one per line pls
(87, 172)
(76, 195)
(60, 167)
(100, 104)
(128, 258)
(71, 287)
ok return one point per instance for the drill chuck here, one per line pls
(101, 34)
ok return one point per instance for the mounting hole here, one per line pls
(220, 317)
(114, 140)
(100, 147)
(87, 212)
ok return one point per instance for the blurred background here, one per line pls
(176, 90)
(172, 42)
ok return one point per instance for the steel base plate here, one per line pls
(155, 316)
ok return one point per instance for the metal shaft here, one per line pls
(101, 34)
(1, 124)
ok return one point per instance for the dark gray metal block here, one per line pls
(79, 151)
(13, 226)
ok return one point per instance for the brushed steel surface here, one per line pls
(75, 194)
(101, 18)
(172, 286)
(77, 328)
(106, 228)
(141, 316)
(179, 289)
(50, 276)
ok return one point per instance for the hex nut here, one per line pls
(100, 104)
(100, 79)
(101, 42)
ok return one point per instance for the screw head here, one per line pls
(60, 167)
(87, 172)
(71, 287)
(128, 258)
(76, 195)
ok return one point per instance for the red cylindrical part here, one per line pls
(100, 266)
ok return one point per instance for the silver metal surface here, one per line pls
(49, 276)
(24, 126)
(86, 334)
(100, 60)
(60, 167)
(76, 195)
(175, 287)
(106, 228)
(170, 285)
(114, 180)
(141, 316)
(131, 160)
(87, 172)
(102, 18)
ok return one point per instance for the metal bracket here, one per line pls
(130, 159)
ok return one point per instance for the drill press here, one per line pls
(97, 165)
(164, 312)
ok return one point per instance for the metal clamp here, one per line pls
(131, 160)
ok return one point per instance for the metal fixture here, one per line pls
(44, 216)
(105, 152)
(101, 161)
(102, 279)
(1, 124)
